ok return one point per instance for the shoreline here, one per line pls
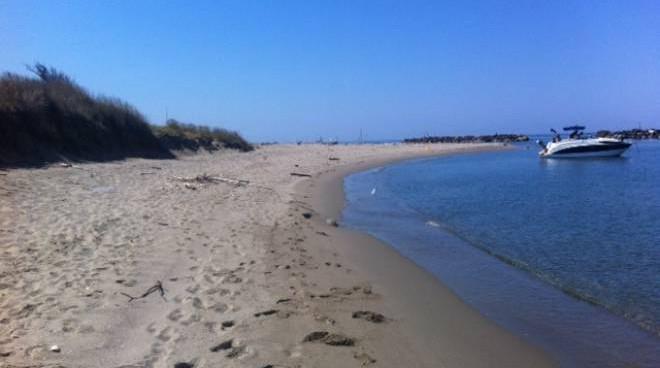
(467, 338)
(251, 272)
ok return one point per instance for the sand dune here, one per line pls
(252, 275)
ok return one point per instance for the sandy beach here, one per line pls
(223, 259)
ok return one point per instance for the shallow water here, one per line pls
(563, 252)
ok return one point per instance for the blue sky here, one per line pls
(289, 70)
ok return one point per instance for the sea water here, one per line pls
(563, 252)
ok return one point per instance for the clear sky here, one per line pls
(289, 70)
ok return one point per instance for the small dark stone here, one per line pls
(227, 324)
(183, 365)
(222, 346)
(369, 316)
(307, 215)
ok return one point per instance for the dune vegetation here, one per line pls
(48, 117)
(175, 135)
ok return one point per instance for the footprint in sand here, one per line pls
(219, 307)
(165, 334)
(369, 316)
(332, 339)
(175, 315)
(364, 358)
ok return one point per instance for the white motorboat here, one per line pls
(578, 146)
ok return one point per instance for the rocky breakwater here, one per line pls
(631, 134)
(495, 138)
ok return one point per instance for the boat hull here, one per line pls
(609, 153)
(585, 148)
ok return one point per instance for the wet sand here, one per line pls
(252, 273)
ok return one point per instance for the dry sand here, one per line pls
(246, 276)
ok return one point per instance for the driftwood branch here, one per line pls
(300, 174)
(153, 289)
(205, 178)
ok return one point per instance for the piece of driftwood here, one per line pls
(300, 174)
(153, 289)
(237, 182)
(205, 178)
(333, 158)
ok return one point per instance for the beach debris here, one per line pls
(369, 316)
(333, 158)
(55, 349)
(332, 339)
(157, 287)
(322, 233)
(190, 186)
(307, 215)
(300, 174)
(222, 346)
(283, 300)
(331, 222)
(208, 179)
(266, 313)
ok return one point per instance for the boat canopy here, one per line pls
(573, 128)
